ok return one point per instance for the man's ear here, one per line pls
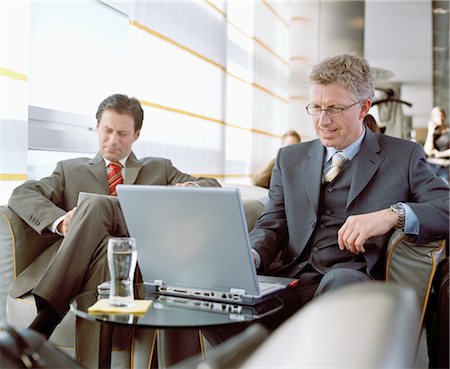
(136, 135)
(365, 107)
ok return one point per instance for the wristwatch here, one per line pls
(400, 211)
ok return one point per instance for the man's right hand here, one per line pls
(63, 227)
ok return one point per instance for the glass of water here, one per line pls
(122, 257)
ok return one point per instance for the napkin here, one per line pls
(103, 306)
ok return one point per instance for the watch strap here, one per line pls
(400, 211)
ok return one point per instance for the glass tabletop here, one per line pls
(176, 312)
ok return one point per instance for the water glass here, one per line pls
(122, 257)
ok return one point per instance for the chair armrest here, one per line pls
(19, 243)
(413, 265)
(19, 246)
(253, 209)
(364, 325)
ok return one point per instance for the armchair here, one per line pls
(358, 326)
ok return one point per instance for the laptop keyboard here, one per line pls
(264, 286)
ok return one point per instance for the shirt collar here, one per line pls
(350, 151)
(121, 161)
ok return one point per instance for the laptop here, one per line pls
(86, 195)
(193, 242)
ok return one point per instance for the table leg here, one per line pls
(175, 345)
(106, 334)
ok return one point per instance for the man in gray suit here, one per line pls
(331, 219)
(333, 228)
(49, 205)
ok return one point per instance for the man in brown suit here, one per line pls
(49, 205)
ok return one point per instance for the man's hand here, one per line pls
(63, 227)
(187, 184)
(357, 229)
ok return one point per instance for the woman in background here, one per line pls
(437, 143)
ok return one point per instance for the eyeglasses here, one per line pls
(332, 111)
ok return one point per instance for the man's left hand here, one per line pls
(357, 229)
(187, 184)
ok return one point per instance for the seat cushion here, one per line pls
(22, 311)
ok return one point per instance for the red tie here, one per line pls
(114, 177)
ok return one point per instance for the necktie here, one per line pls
(114, 177)
(337, 162)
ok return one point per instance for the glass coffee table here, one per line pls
(175, 319)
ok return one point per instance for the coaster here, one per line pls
(102, 306)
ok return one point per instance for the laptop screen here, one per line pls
(190, 237)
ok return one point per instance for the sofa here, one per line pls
(406, 264)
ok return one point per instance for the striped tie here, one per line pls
(337, 162)
(114, 177)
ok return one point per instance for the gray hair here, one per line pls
(350, 71)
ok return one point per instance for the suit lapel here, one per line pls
(97, 167)
(367, 163)
(312, 174)
(133, 167)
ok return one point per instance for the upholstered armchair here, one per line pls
(365, 325)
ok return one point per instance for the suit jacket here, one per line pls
(40, 203)
(387, 170)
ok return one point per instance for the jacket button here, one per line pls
(315, 249)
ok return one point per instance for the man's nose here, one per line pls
(114, 137)
(324, 118)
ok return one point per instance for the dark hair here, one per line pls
(122, 104)
(292, 133)
(370, 122)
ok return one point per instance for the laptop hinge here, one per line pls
(237, 291)
(158, 282)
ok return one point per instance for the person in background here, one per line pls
(77, 261)
(262, 176)
(371, 123)
(437, 143)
